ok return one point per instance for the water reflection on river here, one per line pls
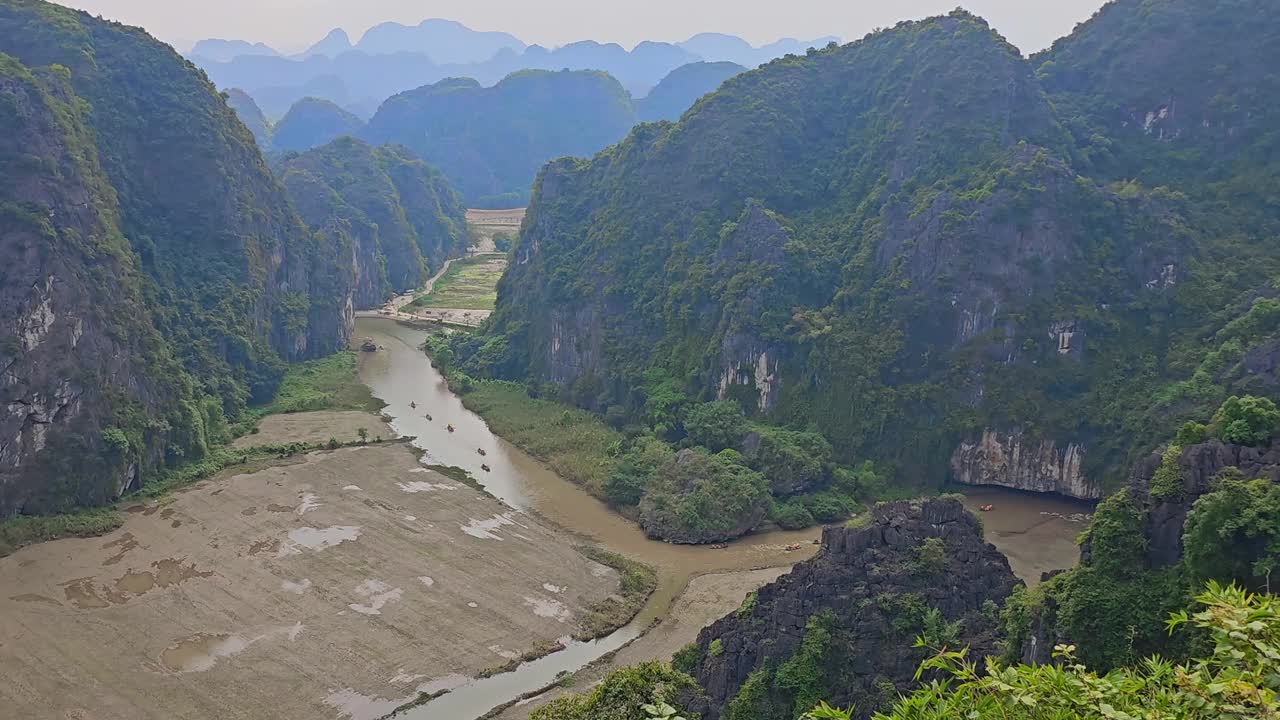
(1036, 532)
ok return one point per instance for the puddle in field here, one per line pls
(309, 538)
(34, 598)
(201, 652)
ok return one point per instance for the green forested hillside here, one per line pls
(678, 91)
(943, 256)
(157, 277)
(490, 142)
(251, 115)
(396, 216)
(312, 122)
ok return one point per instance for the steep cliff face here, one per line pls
(159, 274)
(80, 353)
(1014, 461)
(839, 627)
(392, 216)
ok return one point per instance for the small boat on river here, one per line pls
(368, 345)
(485, 468)
(450, 428)
(481, 452)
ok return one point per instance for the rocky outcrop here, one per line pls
(871, 585)
(1199, 464)
(1012, 460)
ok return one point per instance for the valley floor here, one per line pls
(339, 584)
(706, 599)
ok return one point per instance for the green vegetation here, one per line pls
(929, 557)
(573, 443)
(396, 214)
(854, 229)
(1246, 420)
(1166, 484)
(686, 659)
(1239, 680)
(789, 689)
(716, 425)
(699, 497)
(679, 90)
(326, 384)
(1233, 532)
(624, 695)
(694, 496)
(469, 284)
(491, 141)
(191, 276)
(28, 530)
(310, 123)
(638, 582)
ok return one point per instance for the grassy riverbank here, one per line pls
(325, 384)
(576, 444)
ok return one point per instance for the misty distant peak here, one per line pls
(445, 41)
(333, 45)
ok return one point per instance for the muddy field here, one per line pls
(339, 585)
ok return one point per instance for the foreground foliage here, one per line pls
(1240, 680)
(633, 693)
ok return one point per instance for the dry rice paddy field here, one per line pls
(337, 584)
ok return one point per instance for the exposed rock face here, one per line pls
(1012, 460)
(71, 307)
(866, 581)
(1200, 464)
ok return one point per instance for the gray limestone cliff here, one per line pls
(1013, 460)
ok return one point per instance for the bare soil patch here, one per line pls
(339, 585)
(315, 427)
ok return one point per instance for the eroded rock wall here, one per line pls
(1014, 460)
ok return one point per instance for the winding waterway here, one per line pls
(1037, 532)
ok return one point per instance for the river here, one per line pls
(1036, 532)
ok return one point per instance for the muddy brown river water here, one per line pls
(1036, 532)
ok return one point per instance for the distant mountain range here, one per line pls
(392, 58)
(491, 141)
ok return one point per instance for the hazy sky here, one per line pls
(290, 25)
